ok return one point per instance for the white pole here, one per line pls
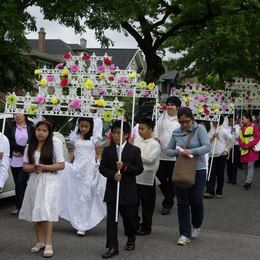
(3, 131)
(233, 152)
(118, 183)
(133, 113)
(156, 118)
(213, 151)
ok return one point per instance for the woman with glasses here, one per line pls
(190, 200)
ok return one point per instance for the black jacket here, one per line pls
(131, 157)
(10, 133)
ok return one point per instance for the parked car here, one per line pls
(9, 187)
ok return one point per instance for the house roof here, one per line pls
(169, 75)
(52, 46)
(121, 57)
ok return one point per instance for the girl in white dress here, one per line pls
(43, 158)
(82, 187)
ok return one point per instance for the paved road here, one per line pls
(231, 230)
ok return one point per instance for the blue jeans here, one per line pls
(191, 199)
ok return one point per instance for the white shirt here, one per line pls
(224, 140)
(165, 126)
(150, 153)
(234, 132)
(118, 148)
(4, 161)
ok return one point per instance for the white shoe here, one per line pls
(81, 233)
(183, 241)
(195, 232)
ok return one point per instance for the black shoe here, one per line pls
(234, 182)
(110, 253)
(166, 211)
(144, 232)
(130, 244)
(247, 185)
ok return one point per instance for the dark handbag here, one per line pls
(184, 171)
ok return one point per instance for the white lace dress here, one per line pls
(41, 198)
(82, 188)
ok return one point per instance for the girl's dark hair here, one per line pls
(47, 151)
(221, 120)
(90, 132)
(247, 115)
(205, 123)
(185, 111)
(174, 100)
(148, 122)
(126, 127)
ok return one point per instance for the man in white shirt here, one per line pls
(224, 142)
(166, 124)
(234, 155)
(4, 160)
(150, 153)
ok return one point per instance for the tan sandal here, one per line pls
(48, 252)
(37, 247)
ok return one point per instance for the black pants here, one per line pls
(232, 167)
(146, 198)
(164, 174)
(217, 174)
(128, 213)
(20, 180)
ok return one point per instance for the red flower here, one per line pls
(206, 112)
(67, 56)
(164, 107)
(64, 82)
(86, 57)
(111, 78)
(205, 106)
(107, 61)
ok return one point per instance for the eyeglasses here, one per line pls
(186, 122)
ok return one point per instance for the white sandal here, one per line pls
(48, 252)
(37, 247)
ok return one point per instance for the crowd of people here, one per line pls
(84, 190)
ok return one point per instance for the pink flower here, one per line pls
(145, 93)
(76, 103)
(101, 91)
(130, 92)
(112, 67)
(50, 78)
(123, 80)
(174, 89)
(74, 68)
(218, 97)
(60, 65)
(101, 69)
(224, 106)
(40, 100)
(201, 99)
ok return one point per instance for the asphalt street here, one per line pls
(231, 230)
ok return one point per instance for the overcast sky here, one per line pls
(56, 31)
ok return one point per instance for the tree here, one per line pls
(16, 71)
(225, 47)
(150, 22)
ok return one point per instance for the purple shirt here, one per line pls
(21, 138)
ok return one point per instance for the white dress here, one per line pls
(41, 198)
(82, 188)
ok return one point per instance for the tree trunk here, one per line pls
(155, 67)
